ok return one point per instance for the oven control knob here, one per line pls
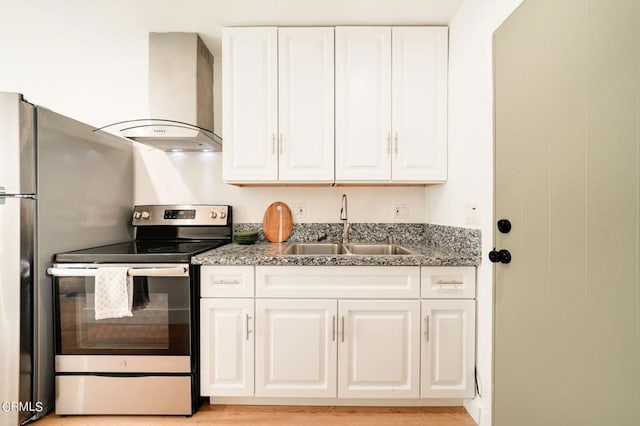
(145, 215)
(223, 215)
(214, 214)
(137, 215)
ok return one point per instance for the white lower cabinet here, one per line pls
(296, 348)
(371, 346)
(379, 350)
(448, 348)
(226, 347)
(322, 332)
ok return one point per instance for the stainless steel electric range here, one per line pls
(145, 363)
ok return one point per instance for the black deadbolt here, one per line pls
(504, 226)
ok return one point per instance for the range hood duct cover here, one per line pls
(180, 96)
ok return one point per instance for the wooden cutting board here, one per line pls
(277, 222)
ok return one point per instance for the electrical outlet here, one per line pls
(400, 211)
(471, 214)
(299, 210)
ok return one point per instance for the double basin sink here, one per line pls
(349, 249)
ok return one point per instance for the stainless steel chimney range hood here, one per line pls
(180, 96)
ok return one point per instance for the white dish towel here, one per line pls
(113, 293)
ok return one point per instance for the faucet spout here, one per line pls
(343, 218)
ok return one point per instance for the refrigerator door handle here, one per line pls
(4, 196)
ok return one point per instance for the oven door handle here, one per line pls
(180, 271)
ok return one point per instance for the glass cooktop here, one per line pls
(135, 251)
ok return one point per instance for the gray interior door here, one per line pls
(567, 176)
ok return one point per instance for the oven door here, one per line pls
(160, 324)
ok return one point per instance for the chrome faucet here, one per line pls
(343, 218)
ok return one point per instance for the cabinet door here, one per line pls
(296, 348)
(305, 75)
(363, 103)
(226, 347)
(249, 104)
(379, 350)
(419, 69)
(448, 348)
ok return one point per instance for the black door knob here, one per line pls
(505, 256)
(504, 226)
(502, 256)
(494, 256)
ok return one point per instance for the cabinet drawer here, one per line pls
(378, 282)
(448, 282)
(226, 281)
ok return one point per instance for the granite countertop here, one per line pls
(264, 253)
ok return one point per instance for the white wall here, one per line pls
(181, 177)
(88, 60)
(471, 160)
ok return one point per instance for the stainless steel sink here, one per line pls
(353, 249)
(373, 249)
(319, 249)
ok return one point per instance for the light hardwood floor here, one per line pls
(245, 415)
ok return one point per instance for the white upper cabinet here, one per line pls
(305, 83)
(419, 107)
(278, 105)
(391, 104)
(388, 103)
(363, 103)
(250, 104)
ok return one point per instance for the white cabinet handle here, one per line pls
(273, 143)
(226, 282)
(450, 282)
(333, 331)
(342, 329)
(395, 140)
(389, 143)
(426, 327)
(248, 330)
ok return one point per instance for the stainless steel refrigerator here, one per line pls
(62, 187)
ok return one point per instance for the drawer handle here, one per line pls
(451, 282)
(226, 282)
